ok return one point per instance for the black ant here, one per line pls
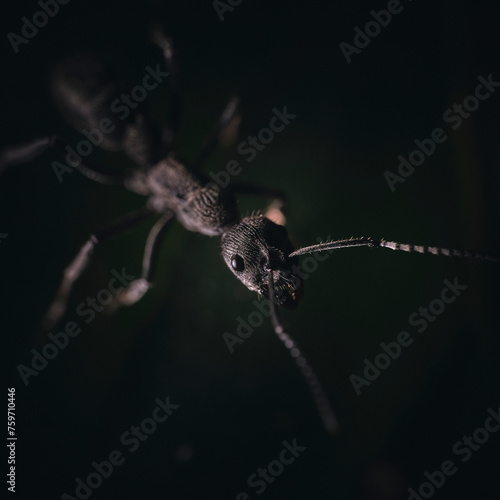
(256, 249)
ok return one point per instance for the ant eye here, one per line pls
(237, 263)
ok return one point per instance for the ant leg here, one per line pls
(227, 124)
(79, 263)
(228, 117)
(276, 210)
(22, 153)
(173, 117)
(136, 290)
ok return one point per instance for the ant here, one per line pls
(255, 249)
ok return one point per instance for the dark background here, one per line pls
(353, 120)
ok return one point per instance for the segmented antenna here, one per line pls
(322, 404)
(405, 247)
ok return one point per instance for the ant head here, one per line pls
(255, 247)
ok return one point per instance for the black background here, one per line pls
(353, 120)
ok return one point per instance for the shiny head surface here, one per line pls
(257, 246)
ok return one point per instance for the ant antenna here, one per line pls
(405, 247)
(322, 404)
